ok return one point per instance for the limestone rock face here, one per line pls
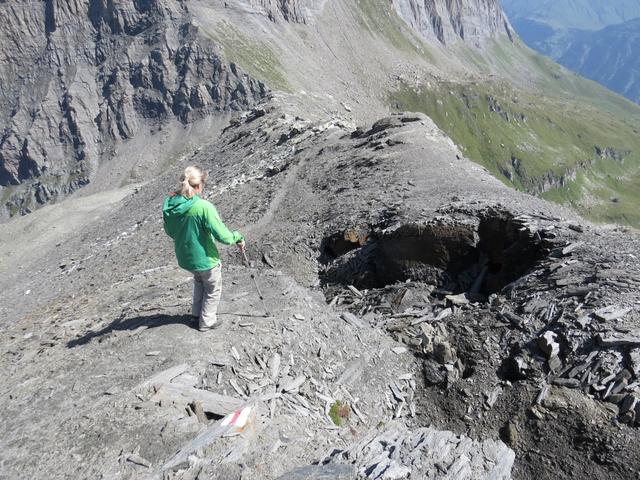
(298, 11)
(449, 21)
(77, 77)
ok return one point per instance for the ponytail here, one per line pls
(190, 179)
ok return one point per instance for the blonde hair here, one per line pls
(190, 179)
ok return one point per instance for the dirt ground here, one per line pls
(93, 310)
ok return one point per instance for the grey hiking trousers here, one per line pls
(207, 289)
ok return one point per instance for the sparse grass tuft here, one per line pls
(6, 193)
(339, 412)
(380, 18)
(254, 57)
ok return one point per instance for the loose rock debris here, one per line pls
(546, 305)
(399, 453)
(504, 329)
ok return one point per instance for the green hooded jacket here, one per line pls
(194, 223)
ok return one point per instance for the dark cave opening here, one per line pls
(478, 258)
(338, 244)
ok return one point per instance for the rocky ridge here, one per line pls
(487, 324)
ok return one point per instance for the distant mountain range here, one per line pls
(573, 14)
(610, 56)
(594, 38)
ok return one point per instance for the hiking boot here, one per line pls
(216, 325)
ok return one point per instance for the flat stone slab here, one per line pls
(182, 395)
(399, 452)
(321, 472)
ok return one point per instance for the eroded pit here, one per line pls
(480, 256)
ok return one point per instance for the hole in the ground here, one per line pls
(469, 369)
(338, 244)
(213, 416)
(478, 258)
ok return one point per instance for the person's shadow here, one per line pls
(150, 321)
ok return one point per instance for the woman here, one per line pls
(193, 223)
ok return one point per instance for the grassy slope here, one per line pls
(547, 131)
(543, 134)
(256, 58)
(379, 18)
(617, 121)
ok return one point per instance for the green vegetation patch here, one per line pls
(472, 57)
(254, 57)
(6, 193)
(380, 18)
(557, 81)
(339, 412)
(567, 151)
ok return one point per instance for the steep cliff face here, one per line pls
(77, 77)
(298, 11)
(448, 21)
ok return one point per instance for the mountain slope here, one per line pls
(573, 14)
(392, 283)
(537, 126)
(78, 79)
(610, 56)
(362, 58)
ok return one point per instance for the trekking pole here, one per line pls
(253, 278)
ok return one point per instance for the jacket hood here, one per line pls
(178, 205)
